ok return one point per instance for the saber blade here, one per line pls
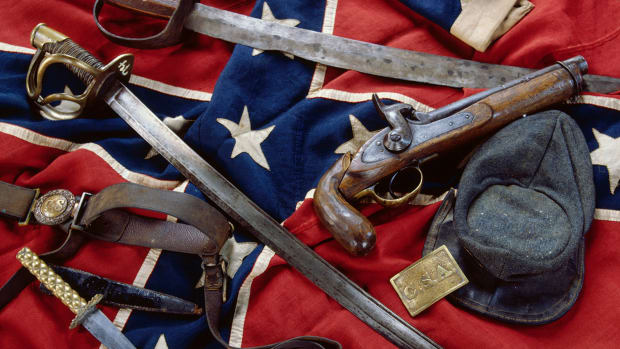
(246, 213)
(365, 57)
(86, 314)
(331, 50)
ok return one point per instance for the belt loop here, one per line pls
(79, 211)
(26, 219)
(213, 272)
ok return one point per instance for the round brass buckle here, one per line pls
(55, 207)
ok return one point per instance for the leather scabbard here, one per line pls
(202, 218)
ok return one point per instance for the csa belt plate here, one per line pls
(428, 280)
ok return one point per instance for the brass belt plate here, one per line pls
(428, 280)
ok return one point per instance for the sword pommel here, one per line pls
(57, 286)
(42, 34)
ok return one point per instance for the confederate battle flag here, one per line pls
(273, 124)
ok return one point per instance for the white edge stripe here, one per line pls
(243, 298)
(134, 79)
(17, 49)
(140, 280)
(607, 215)
(356, 97)
(61, 144)
(329, 20)
(169, 89)
(599, 101)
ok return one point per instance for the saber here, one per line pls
(86, 313)
(322, 48)
(54, 47)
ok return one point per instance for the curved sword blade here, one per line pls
(365, 57)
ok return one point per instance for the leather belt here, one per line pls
(203, 232)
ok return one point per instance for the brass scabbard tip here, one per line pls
(42, 34)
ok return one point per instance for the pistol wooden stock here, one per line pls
(446, 128)
(352, 230)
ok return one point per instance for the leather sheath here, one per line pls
(122, 295)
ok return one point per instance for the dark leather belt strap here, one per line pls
(100, 217)
(187, 208)
(16, 202)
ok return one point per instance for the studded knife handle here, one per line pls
(51, 280)
(54, 47)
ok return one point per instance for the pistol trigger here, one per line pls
(400, 136)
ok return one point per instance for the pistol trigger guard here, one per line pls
(400, 199)
(396, 199)
(400, 136)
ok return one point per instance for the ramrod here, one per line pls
(381, 163)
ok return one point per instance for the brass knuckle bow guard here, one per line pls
(414, 137)
(54, 47)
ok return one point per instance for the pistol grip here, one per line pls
(348, 226)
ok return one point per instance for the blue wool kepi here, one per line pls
(516, 225)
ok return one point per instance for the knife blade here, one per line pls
(87, 314)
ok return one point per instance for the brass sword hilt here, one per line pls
(59, 288)
(54, 47)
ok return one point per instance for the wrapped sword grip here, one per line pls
(51, 280)
(57, 286)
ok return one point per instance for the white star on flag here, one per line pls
(360, 136)
(161, 342)
(607, 154)
(247, 140)
(269, 17)
(178, 125)
(233, 253)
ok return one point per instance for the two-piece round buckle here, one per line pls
(55, 207)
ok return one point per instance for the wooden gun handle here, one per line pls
(350, 228)
(174, 10)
